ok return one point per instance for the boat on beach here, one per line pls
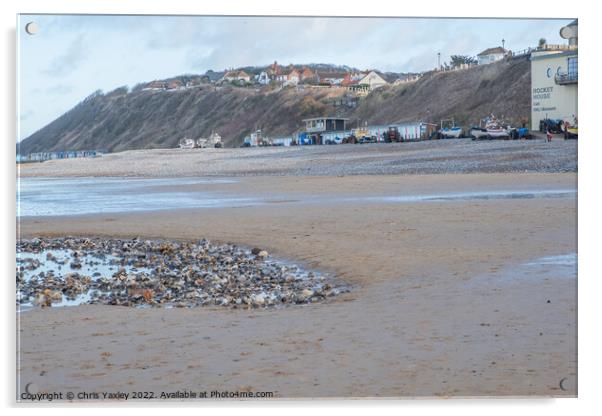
(452, 132)
(497, 132)
(256, 138)
(478, 133)
(186, 143)
(449, 130)
(493, 129)
(214, 140)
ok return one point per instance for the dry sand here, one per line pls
(433, 311)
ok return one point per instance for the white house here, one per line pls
(491, 55)
(236, 76)
(373, 80)
(263, 78)
(289, 76)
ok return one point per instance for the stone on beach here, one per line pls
(163, 273)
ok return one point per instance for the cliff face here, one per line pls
(468, 95)
(159, 119)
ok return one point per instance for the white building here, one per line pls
(373, 80)
(263, 78)
(240, 76)
(554, 80)
(491, 55)
(289, 76)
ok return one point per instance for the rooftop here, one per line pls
(489, 51)
(550, 55)
(325, 118)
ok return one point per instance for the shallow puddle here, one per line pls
(561, 266)
(37, 267)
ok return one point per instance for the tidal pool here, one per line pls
(153, 273)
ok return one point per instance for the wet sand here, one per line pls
(434, 310)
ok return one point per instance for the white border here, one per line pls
(589, 189)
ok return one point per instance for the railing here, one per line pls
(566, 78)
(551, 47)
(546, 47)
(451, 68)
(523, 52)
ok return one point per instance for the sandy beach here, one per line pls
(444, 302)
(376, 206)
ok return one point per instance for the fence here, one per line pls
(543, 48)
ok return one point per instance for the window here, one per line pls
(572, 67)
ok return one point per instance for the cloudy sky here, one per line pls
(72, 56)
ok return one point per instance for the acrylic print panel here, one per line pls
(260, 208)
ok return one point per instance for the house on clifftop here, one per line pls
(491, 55)
(240, 76)
(373, 80)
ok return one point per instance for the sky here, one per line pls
(71, 56)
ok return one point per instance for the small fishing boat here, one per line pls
(497, 132)
(201, 143)
(256, 139)
(449, 130)
(215, 140)
(493, 129)
(478, 133)
(186, 143)
(496, 129)
(452, 132)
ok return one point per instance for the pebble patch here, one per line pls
(157, 273)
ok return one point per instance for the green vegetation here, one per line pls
(458, 60)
